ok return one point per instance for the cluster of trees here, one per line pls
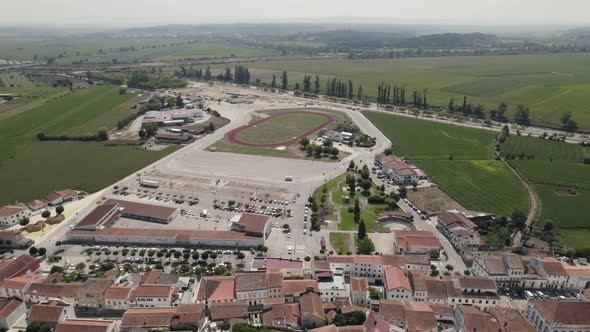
(148, 130)
(317, 151)
(101, 135)
(567, 123)
(339, 88)
(307, 84)
(141, 79)
(356, 318)
(467, 109)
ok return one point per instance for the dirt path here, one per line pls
(533, 202)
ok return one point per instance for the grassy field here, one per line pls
(47, 166)
(341, 242)
(11, 80)
(541, 149)
(274, 130)
(548, 83)
(104, 49)
(473, 177)
(81, 112)
(561, 181)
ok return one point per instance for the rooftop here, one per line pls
(141, 209)
(299, 286)
(80, 325)
(97, 215)
(11, 210)
(253, 223)
(281, 263)
(367, 259)
(564, 312)
(396, 278)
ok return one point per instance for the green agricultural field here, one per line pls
(562, 208)
(80, 112)
(473, 177)
(540, 149)
(15, 80)
(561, 181)
(548, 83)
(105, 49)
(90, 166)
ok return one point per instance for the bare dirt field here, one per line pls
(432, 200)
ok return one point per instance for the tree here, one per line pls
(358, 318)
(374, 294)
(357, 208)
(142, 134)
(179, 101)
(56, 269)
(33, 251)
(304, 142)
(40, 327)
(59, 209)
(327, 142)
(273, 83)
(340, 320)
(522, 115)
(42, 251)
(548, 226)
(567, 123)
(316, 87)
(102, 135)
(351, 165)
(241, 255)
(365, 246)
(24, 221)
(309, 149)
(519, 218)
(362, 232)
(45, 214)
(403, 192)
(284, 81)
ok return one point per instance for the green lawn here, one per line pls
(341, 242)
(561, 209)
(473, 177)
(540, 149)
(275, 130)
(577, 239)
(15, 80)
(90, 166)
(80, 112)
(548, 83)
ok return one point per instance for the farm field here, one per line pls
(473, 177)
(548, 83)
(88, 166)
(561, 181)
(80, 112)
(541, 149)
(104, 49)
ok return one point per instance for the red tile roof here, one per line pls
(79, 325)
(11, 210)
(221, 311)
(396, 278)
(299, 286)
(311, 304)
(282, 263)
(452, 219)
(97, 215)
(16, 267)
(141, 209)
(118, 292)
(564, 312)
(49, 313)
(359, 284)
(253, 223)
(367, 259)
(147, 317)
(416, 239)
(9, 306)
(216, 289)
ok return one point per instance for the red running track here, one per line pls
(232, 135)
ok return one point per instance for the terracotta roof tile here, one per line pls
(78, 325)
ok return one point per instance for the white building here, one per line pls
(10, 215)
(505, 269)
(397, 284)
(559, 316)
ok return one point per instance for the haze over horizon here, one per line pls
(452, 12)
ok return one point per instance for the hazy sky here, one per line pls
(194, 11)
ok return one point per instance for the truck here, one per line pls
(288, 178)
(150, 183)
(204, 214)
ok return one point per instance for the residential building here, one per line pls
(11, 311)
(149, 319)
(59, 197)
(36, 205)
(14, 239)
(397, 284)
(10, 215)
(289, 267)
(578, 277)
(292, 289)
(415, 242)
(216, 290)
(366, 266)
(505, 269)
(332, 286)
(22, 265)
(405, 316)
(558, 316)
(254, 287)
(153, 296)
(545, 273)
(91, 294)
(511, 320)
(461, 232)
(17, 286)
(359, 292)
(78, 325)
(118, 297)
(51, 312)
(469, 319)
(49, 290)
(224, 315)
(311, 309)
